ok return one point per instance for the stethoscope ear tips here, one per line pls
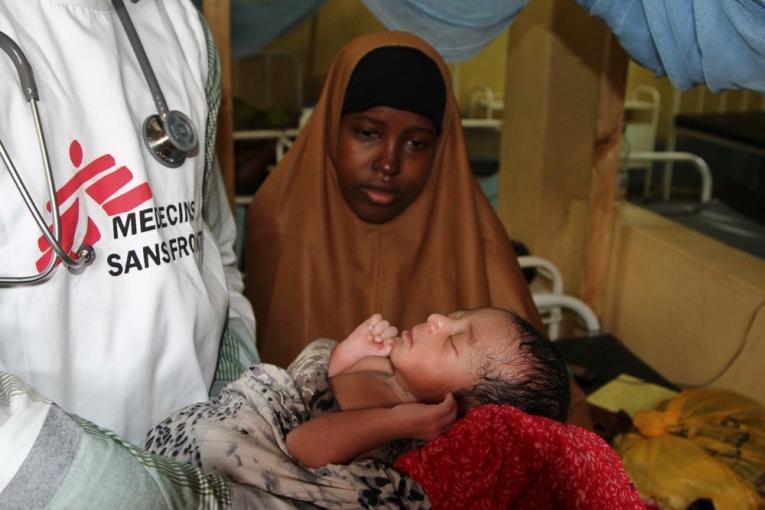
(170, 140)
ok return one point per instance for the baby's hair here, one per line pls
(528, 373)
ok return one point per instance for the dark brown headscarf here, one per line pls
(313, 269)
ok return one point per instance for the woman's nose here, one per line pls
(387, 163)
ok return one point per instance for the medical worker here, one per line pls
(136, 333)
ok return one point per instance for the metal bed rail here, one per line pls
(698, 163)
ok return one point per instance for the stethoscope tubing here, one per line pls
(162, 147)
(29, 87)
(142, 57)
(24, 70)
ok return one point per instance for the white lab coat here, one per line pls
(136, 334)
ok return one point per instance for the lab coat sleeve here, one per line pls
(237, 347)
(223, 228)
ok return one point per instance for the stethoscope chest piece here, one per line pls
(170, 139)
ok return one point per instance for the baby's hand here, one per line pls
(427, 421)
(379, 331)
(373, 337)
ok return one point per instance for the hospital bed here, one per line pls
(693, 198)
(483, 98)
(551, 301)
(705, 214)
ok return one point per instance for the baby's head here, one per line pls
(483, 356)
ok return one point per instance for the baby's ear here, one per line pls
(465, 402)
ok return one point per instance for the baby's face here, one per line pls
(444, 354)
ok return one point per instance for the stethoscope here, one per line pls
(168, 134)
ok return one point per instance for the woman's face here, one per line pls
(384, 159)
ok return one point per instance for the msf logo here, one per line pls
(107, 186)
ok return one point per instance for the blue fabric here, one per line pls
(458, 29)
(720, 43)
(255, 23)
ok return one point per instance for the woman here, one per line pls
(375, 209)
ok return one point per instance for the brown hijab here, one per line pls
(313, 269)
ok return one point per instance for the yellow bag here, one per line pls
(704, 443)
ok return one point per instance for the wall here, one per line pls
(314, 44)
(316, 41)
(560, 139)
(486, 69)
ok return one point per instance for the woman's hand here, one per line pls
(426, 421)
(373, 337)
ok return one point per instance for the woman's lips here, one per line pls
(378, 196)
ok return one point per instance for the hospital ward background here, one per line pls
(674, 278)
(636, 209)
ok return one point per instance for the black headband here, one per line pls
(399, 77)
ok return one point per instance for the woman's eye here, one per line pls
(417, 144)
(366, 134)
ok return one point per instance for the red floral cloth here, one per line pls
(498, 457)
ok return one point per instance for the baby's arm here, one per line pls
(367, 384)
(373, 337)
(337, 438)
